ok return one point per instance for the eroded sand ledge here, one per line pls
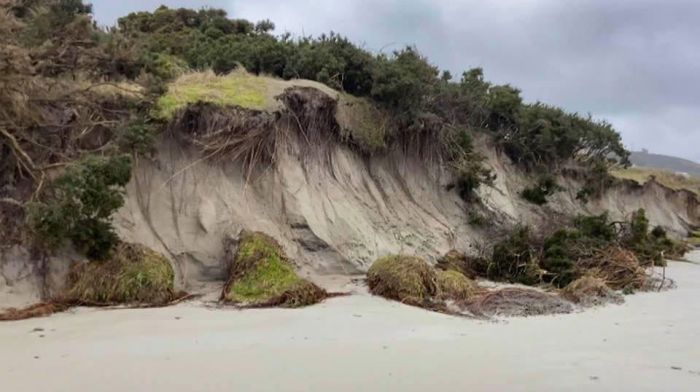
(652, 342)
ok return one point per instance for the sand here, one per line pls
(361, 343)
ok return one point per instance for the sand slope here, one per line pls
(360, 342)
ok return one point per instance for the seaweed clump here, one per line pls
(261, 276)
(130, 274)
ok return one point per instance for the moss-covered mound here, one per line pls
(131, 274)
(261, 275)
(408, 279)
(590, 291)
(454, 285)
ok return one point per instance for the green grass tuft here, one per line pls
(130, 274)
(237, 88)
(407, 279)
(261, 275)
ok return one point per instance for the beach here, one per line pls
(360, 342)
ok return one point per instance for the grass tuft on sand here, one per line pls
(131, 274)
(455, 286)
(407, 279)
(261, 275)
(237, 88)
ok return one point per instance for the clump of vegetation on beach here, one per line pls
(261, 275)
(129, 274)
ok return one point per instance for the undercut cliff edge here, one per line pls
(291, 170)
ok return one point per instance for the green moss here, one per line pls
(236, 88)
(261, 275)
(130, 274)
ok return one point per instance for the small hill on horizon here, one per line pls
(665, 162)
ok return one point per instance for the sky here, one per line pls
(634, 63)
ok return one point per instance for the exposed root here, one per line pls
(44, 309)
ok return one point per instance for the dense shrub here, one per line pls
(79, 204)
(515, 259)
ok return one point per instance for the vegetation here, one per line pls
(642, 175)
(261, 275)
(79, 205)
(546, 186)
(590, 291)
(129, 274)
(514, 259)
(454, 285)
(406, 279)
(237, 88)
(613, 251)
(119, 86)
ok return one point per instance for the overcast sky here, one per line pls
(633, 63)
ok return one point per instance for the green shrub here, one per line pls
(515, 259)
(546, 186)
(79, 205)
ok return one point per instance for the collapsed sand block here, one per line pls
(261, 275)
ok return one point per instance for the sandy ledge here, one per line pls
(650, 343)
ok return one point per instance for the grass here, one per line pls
(694, 238)
(261, 275)
(131, 274)
(671, 180)
(454, 285)
(237, 88)
(406, 279)
(362, 123)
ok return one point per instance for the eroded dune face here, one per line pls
(337, 214)
(333, 209)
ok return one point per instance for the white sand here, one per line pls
(361, 343)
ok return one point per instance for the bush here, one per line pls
(79, 205)
(515, 259)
